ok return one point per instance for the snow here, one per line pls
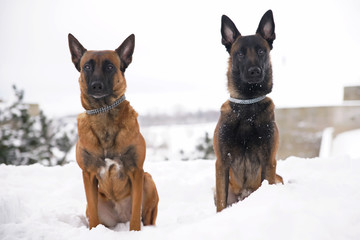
(319, 200)
(326, 142)
(347, 144)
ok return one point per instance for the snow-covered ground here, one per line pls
(319, 200)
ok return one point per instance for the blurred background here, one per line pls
(177, 78)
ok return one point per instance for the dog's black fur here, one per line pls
(246, 137)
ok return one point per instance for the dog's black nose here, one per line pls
(254, 71)
(97, 86)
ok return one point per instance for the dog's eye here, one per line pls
(109, 67)
(261, 52)
(241, 54)
(87, 67)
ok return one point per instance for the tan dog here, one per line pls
(111, 150)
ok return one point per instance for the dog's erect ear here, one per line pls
(125, 52)
(77, 51)
(266, 28)
(229, 32)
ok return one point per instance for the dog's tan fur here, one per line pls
(111, 150)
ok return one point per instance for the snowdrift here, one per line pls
(319, 200)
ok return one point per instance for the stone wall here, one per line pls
(351, 93)
(301, 128)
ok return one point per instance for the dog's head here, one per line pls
(102, 78)
(249, 73)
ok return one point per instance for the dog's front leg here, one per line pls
(222, 185)
(270, 173)
(91, 191)
(136, 195)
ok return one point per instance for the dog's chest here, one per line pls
(111, 140)
(246, 130)
(110, 169)
(107, 135)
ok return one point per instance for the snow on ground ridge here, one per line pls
(319, 200)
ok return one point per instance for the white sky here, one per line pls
(179, 62)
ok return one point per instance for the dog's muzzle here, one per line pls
(254, 74)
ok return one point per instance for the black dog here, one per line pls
(246, 137)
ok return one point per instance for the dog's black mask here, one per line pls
(99, 78)
(250, 73)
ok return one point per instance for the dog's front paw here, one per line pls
(134, 227)
(279, 179)
(93, 223)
